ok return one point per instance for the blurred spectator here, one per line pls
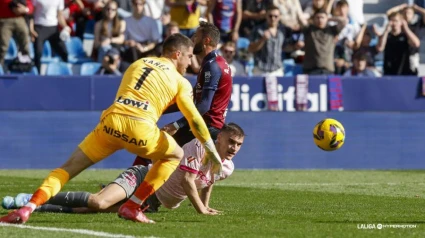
(21, 64)
(356, 12)
(416, 23)
(363, 45)
(267, 43)
(111, 63)
(289, 10)
(12, 23)
(420, 3)
(108, 32)
(154, 9)
(92, 10)
(165, 17)
(398, 42)
(253, 14)
(186, 13)
(141, 34)
(171, 28)
(316, 5)
(44, 26)
(124, 8)
(72, 7)
(345, 43)
(320, 43)
(227, 16)
(360, 67)
(228, 51)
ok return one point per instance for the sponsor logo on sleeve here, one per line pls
(207, 76)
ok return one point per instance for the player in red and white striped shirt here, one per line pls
(193, 178)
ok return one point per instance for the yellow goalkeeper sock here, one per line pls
(156, 177)
(50, 187)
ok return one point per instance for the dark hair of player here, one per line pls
(233, 129)
(211, 31)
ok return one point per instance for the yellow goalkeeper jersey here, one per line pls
(149, 86)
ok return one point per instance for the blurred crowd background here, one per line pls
(258, 37)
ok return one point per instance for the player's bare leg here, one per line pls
(84, 202)
(51, 186)
(155, 178)
(107, 197)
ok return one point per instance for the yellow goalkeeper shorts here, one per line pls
(116, 132)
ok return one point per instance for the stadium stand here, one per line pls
(12, 51)
(76, 53)
(58, 68)
(80, 50)
(33, 71)
(242, 43)
(89, 30)
(47, 55)
(89, 68)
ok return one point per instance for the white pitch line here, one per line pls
(79, 231)
(310, 184)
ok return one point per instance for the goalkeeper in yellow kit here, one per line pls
(148, 87)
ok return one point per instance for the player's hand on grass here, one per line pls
(170, 129)
(208, 212)
(213, 210)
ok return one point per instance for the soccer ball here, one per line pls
(329, 134)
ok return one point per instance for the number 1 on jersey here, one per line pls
(143, 77)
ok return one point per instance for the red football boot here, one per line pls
(133, 214)
(17, 216)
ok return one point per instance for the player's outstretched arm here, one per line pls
(205, 195)
(197, 125)
(189, 186)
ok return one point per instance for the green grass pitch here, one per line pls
(256, 203)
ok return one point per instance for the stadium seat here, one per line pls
(373, 41)
(76, 53)
(12, 51)
(89, 30)
(47, 54)
(33, 71)
(58, 68)
(288, 67)
(242, 43)
(288, 62)
(90, 68)
(31, 48)
(379, 63)
(292, 70)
